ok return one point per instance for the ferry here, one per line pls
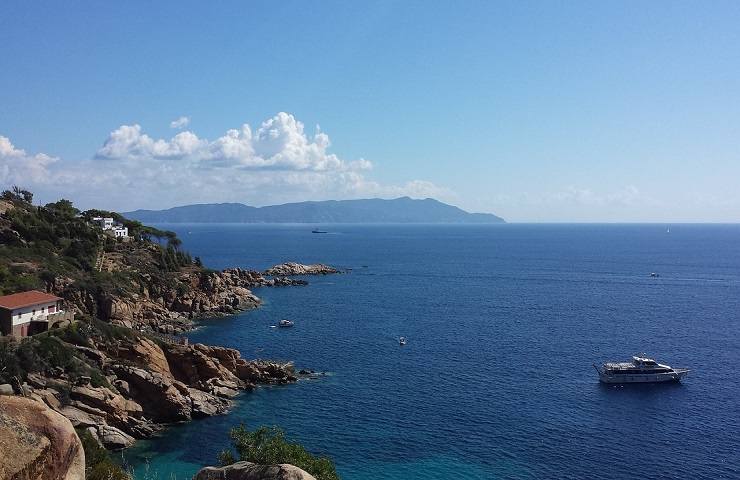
(640, 370)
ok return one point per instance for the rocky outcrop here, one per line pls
(292, 268)
(252, 471)
(37, 443)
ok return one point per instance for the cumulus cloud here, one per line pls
(127, 142)
(16, 166)
(274, 163)
(280, 143)
(179, 123)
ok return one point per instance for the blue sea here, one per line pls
(503, 325)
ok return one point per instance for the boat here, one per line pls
(641, 369)
(654, 274)
(285, 323)
(319, 231)
(402, 341)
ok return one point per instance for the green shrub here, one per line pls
(268, 446)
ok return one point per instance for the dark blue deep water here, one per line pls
(503, 324)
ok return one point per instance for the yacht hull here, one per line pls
(676, 376)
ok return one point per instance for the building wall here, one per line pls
(34, 312)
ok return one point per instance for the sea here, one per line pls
(503, 326)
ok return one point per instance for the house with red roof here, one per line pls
(28, 313)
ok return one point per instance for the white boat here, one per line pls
(285, 323)
(402, 341)
(640, 370)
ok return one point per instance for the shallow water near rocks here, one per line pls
(503, 324)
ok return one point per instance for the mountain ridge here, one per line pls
(373, 210)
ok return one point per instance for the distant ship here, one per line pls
(319, 231)
(640, 370)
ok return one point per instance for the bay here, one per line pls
(503, 325)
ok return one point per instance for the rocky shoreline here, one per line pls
(148, 379)
(149, 384)
(289, 269)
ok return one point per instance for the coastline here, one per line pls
(144, 375)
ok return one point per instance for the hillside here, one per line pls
(117, 372)
(399, 210)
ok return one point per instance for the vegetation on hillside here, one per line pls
(39, 244)
(268, 446)
(53, 353)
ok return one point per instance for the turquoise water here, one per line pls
(503, 323)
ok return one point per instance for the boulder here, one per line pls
(252, 471)
(206, 404)
(147, 354)
(197, 364)
(81, 418)
(292, 268)
(113, 438)
(6, 389)
(161, 399)
(37, 443)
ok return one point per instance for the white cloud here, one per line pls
(278, 162)
(179, 123)
(16, 166)
(280, 143)
(127, 142)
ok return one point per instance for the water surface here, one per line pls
(503, 324)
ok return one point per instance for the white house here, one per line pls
(119, 231)
(27, 313)
(106, 223)
(110, 227)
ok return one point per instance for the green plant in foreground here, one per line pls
(268, 446)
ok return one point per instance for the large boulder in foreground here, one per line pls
(291, 268)
(252, 471)
(37, 443)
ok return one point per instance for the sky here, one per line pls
(536, 111)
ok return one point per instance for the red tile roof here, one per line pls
(26, 299)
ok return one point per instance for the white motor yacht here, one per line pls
(640, 370)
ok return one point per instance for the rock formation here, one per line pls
(148, 384)
(37, 443)
(291, 268)
(252, 471)
(170, 306)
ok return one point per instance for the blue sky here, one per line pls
(536, 111)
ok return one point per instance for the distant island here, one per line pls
(375, 210)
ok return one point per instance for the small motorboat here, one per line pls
(402, 341)
(654, 274)
(285, 324)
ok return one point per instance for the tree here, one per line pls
(64, 208)
(18, 194)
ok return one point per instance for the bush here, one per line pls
(268, 446)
